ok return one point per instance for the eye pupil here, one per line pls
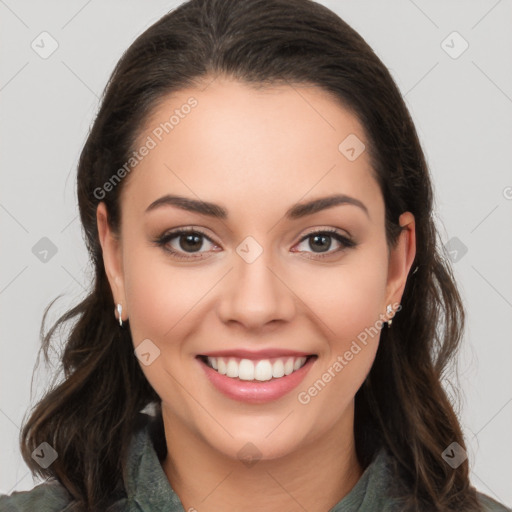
(193, 241)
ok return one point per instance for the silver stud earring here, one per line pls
(389, 310)
(119, 310)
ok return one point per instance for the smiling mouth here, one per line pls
(256, 370)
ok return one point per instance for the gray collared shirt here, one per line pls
(147, 488)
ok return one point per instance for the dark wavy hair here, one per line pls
(89, 416)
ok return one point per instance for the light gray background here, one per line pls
(462, 108)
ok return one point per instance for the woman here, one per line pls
(257, 207)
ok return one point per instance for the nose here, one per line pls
(257, 294)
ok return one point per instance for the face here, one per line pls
(263, 283)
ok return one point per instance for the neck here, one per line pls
(314, 477)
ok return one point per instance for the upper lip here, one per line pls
(256, 354)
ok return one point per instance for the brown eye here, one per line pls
(190, 241)
(321, 241)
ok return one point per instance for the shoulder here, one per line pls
(490, 505)
(49, 496)
(52, 496)
(384, 485)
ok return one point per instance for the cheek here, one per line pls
(349, 303)
(160, 300)
(159, 295)
(148, 295)
(349, 298)
(351, 311)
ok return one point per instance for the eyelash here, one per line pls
(163, 240)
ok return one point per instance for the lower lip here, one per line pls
(253, 391)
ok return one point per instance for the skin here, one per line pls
(256, 153)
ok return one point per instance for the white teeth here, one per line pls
(297, 364)
(246, 370)
(222, 364)
(232, 370)
(288, 366)
(262, 370)
(278, 369)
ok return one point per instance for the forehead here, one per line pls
(237, 145)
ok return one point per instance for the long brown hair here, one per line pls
(88, 417)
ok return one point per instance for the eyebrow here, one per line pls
(297, 211)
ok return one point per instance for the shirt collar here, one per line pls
(144, 477)
(148, 486)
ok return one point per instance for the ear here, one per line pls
(112, 258)
(400, 260)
